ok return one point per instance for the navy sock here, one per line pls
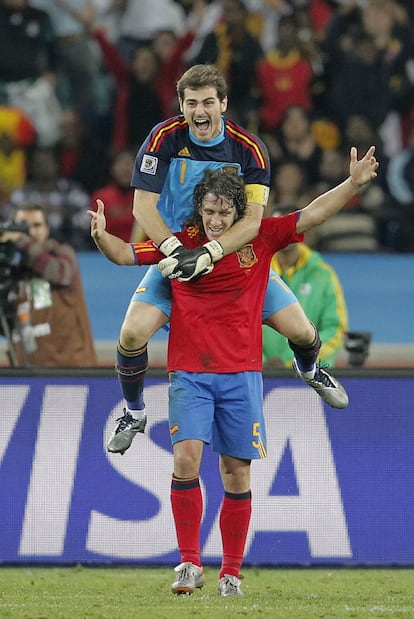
(131, 367)
(306, 356)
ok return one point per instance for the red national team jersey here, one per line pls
(216, 320)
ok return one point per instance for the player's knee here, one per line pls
(237, 481)
(186, 464)
(131, 337)
(308, 350)
(140, 323)
(304, 334)
(235, 474)
(137, 328)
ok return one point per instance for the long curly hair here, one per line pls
(222, 184)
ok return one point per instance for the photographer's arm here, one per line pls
(54, 262)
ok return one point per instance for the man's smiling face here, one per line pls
(202, 110)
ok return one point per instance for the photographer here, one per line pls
(49, 292)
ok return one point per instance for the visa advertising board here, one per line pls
(336, 486)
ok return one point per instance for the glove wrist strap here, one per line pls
(169, 245)
(215, 250)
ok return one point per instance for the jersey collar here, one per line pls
(213, 142)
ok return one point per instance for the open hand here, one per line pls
(364, 170)
(98, 220)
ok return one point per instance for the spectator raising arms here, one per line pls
(137, 104)
(170, 51)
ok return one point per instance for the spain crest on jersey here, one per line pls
(247, 257)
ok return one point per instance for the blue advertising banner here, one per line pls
(336, 487)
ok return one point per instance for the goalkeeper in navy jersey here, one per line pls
(215, 393)
(168, 166)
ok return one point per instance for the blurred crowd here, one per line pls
(82, 82)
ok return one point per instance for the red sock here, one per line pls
(234, 525)
(187, 508)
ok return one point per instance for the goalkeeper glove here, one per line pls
(186, 264)
(170, 245)
(172, 248)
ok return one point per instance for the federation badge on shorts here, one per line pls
(247, 257)
(149, 164)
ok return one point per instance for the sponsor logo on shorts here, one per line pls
(138, 290)
(149, 164)
(174, 429)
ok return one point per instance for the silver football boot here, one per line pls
(326, 386)
(229, 585)
(189, 578)
(123, 435)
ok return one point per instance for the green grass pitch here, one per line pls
(138, 592)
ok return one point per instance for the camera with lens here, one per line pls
(10, 267)
(15, 315)
(11, 226)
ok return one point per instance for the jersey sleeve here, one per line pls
(253, 155)
(146, 253)
(279, 232)
(154, 157)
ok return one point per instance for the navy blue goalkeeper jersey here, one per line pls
(172, 161)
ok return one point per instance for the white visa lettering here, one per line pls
(142, 538)
(53, 471)
(12, 399)
(296, 415)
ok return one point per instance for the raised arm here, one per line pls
(114, 248)
(361, 172)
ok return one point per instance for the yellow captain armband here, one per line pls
(257, 194)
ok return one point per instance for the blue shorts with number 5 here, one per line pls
(225, 410)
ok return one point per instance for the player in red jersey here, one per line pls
(169, 164)
(215, 356)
